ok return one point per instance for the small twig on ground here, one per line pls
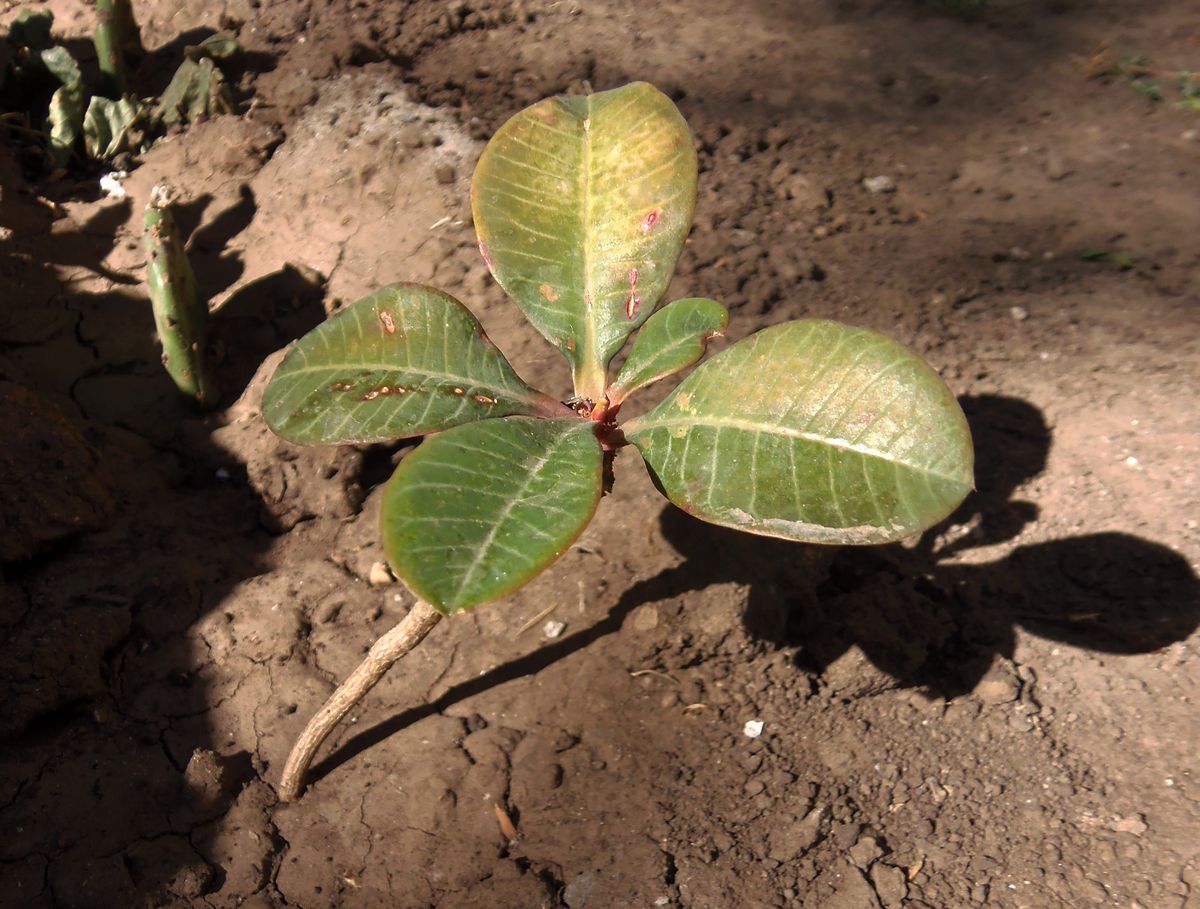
(537, 618)
(383, 653)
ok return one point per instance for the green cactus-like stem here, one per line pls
(179, 315)
(116, 34)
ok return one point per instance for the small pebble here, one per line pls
(553, 628)
(110, 184)
(444, 173)
(1020, 313)
(753, 729)
(1132, 824)
(379, 575)
(1057, 167)
(880, 184)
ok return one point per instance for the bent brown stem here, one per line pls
(383, 653)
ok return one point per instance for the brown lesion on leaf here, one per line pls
(342, 386)
(484, 399)
(548, 292)
(652, 218)
(633, 302)
(384, 391)
(388, 321)
(487, 259)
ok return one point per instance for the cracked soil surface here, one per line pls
(1001, 714)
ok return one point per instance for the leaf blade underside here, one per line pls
(672, 339)
(479, 510)
(811, 431)
(581, 205)
(402, 362)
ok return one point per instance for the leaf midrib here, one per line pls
(531, 395)
(518, 495)
(638, 425)
(589, 327)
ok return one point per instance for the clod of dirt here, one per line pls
(52, 485)
(361, 157)
(1057, 167)
(866, 852)
(211, 778)
(790, 841)
(999, 686)
(380, 575)
(890, 884)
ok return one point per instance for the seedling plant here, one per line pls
(811, 430)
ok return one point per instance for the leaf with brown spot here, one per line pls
(402, 362)
(582, 204)
(811, 431)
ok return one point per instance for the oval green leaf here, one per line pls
(582, 204)
(672, 339)
(812, 431)
(402, 362)
(476, 512)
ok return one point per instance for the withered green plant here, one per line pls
(812, 431)
(43, 94)
(179, 313)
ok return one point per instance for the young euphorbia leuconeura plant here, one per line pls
(811, 431)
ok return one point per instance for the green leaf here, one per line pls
(402, 362)
(672, 339)
(582, 204)
(197, 90)
(812, 431)
(62, 66)
(66, 104)
(1119, 260)
(220, 46)
(111, 127)
(477, 511)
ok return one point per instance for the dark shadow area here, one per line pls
(924, 623)
(938, 626)
(928, 625)
(528, 665)
(258, 319)
(95, 241)
(215, 269)
(112, 544)
(154, 71)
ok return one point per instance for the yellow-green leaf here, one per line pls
(477, 511)
(402, 362)
(672, 339)
(812, 431)
(582, 204)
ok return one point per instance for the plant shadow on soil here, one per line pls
(921, 623)
(928, 624)
(105, 695)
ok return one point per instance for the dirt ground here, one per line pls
(1001, 714)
